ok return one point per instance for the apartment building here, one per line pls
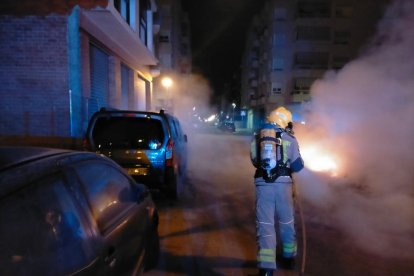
(290, 44)
(173, 47)
(63, 60)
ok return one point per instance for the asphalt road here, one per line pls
(211, 229)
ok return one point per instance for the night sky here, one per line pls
(218, 29)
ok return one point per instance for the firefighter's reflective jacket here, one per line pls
(273, 140)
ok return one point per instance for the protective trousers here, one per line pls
(274, 201)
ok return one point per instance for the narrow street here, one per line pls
(211, 230)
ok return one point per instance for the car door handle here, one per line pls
(110, 259)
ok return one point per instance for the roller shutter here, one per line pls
(99, 79)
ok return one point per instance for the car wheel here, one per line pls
(152, 247)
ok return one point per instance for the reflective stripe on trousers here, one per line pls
(274, 200)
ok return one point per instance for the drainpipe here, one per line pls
(74, 71)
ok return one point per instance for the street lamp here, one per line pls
(234, 106)
(167, 83)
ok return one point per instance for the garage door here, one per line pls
(99, 79)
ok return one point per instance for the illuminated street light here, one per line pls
(234, 106)
(166, 82)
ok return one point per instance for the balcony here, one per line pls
(300, 96)
(108, 26)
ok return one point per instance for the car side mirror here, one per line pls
(142, 196)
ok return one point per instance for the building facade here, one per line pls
(62, 61)
(173, 48)
(290, 44)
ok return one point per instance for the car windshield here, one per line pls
(128, 132)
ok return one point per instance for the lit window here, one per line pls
(278, 64)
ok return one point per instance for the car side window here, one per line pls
(179, 129)
(173, 127)
(41, 230)
(109, 192)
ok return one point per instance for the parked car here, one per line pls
(150, 146)
(227, 126)
(73, 213)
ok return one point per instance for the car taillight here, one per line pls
(85, 144)
(169, 153)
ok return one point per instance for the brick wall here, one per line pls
(34, 97)
(45, 7)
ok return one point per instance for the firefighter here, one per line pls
(275, 154)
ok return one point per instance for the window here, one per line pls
(313, 33)
(313, 9)
(278, 64)
(49, 236)
(276, 88)
(311, 60)
(144, 6)
(165, 60)
(127, 132)
(164, 38)
(342, 37)
(302, 85)
(173, 128)
(125, 86)
(344, 11)
(179, 129)
(109, 193)
(123, 7)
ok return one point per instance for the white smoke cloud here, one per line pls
(191, 95)
(364, 114)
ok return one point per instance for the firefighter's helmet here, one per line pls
(280, 116)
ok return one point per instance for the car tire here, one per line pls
(152, 247)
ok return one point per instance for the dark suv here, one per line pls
(150, 146)
(73, 213)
